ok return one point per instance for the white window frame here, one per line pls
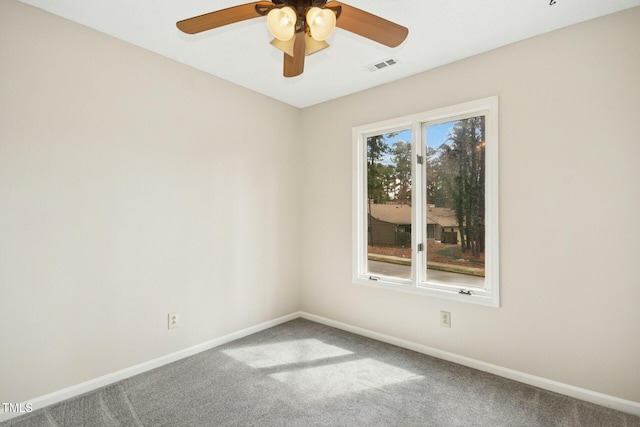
(489, 295)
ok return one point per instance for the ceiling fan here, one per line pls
(301, 27)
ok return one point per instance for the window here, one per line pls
(426, 203)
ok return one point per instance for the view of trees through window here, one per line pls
(389, 203)
(455, 197)
(453, 203)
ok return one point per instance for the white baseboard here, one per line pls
(601, 399)
(613, 402)
(96, 383)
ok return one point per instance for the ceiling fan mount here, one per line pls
(300, 27)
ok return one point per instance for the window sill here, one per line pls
(448, 292)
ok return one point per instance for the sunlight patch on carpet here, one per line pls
(269, 355)
(346, 377)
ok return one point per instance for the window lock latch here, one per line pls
(375, 278)
(465, 292)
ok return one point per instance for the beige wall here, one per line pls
(569, 208)
(132, 186)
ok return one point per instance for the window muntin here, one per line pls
(457, 147)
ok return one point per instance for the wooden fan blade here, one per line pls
(370, 26)
(294, 65)
(222, 17)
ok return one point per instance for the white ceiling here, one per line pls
(440, 32)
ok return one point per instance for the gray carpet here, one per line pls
(305, 374)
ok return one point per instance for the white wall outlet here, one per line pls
(173, 319)
(445, 319)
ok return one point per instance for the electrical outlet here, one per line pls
(173, 320)
(445, 319)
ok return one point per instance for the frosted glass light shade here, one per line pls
(282, 23)
(321, 23)
(312, 45)
(285, 46)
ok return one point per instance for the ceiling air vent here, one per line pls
(381, 65)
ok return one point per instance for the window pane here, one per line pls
(389, 204)
(455, 202)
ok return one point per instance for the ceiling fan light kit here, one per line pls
(285, 46)
(282, 23)
(301, 27)
(321, 23)
(312, 45)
